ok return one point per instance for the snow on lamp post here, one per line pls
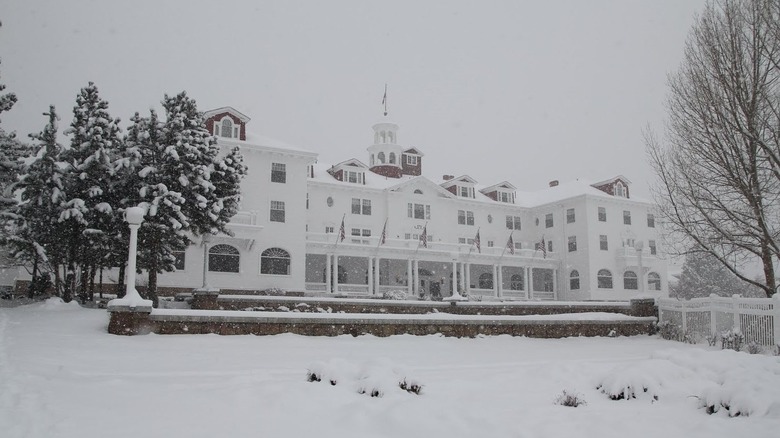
(134, 216)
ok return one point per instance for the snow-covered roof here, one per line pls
(227, 109)
(501, 185)
(352, 162)
(462, 178)
(613, 179)
(414, 151)
(264, 142)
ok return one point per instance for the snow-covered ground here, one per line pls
(62, 375)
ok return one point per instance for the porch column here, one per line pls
(468, 278)
(409, 280)
(370, 275)
(454, 277)
(500, 283)
(528, 287)
(415, 278)
(376, 276)
(328, 273)
(462, 267)
(496, 279)
(336, 277)
(555, 284)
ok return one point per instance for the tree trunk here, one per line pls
(31, 288)
(769, 270)
(151, 289)
(100, 288)
(120, 282)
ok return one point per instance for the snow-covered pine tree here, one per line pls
(12, 150)
(37, 240)
(703, 274)
(226, 176)
(89, 208)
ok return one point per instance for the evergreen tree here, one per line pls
(226, 176)
(89, 209)
(37, 240)
(703, 274)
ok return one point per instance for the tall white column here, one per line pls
(468, 278)
(376, 275)
(530, 283)
(336, 276)
(500, 282)
(370, 275)
(462, 267)
(409, 277)
(496, 279)
(454, 277)
(328, 273)
(416, 277)
(555, 284)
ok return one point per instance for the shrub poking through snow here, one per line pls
(375, 378)
(669, 331)
(754, 348)
(713, 339)
(627, 383)
(570, 399)
(732, 340)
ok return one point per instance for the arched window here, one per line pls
(418, 192)
(275, 261)
(224, 258)
(620, 189)
(227, 128)
(516, 282)
(382, 137)
(574, 280)
(604, 279)
(390, 137)
(391, 158)
(381, 157)
(630, 281)
(653, 281)
(486, 281)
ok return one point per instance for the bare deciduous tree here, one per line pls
(718, 162)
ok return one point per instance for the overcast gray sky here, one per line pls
(517, 90)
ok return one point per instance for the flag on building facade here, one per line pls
(510, 245)
(543, 247)
(383, 237)
(478, 242)
(342, 232)
(424, 237)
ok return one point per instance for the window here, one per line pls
(381, 157)
(223, 258)
(570, 216)
(548, 220)
(275, 261)
(411, 160)
(620, 190)
(329, 230)
(178, 260)
(361, 206)
(356, 232)
(277, 211)
(574, 280)
(650, 220)
(518, 245)
(465, 217)
(466, 192)
(603, 244)
(469, 240)
(507, 197)
(391, 158)
(366, 233)
(227, 128)
(353, 177)
(307, 201)
(602, 214)
(630, 281)
(372, 160)
(516, 282)
(419, 211)
(549, 246)
(418, 192)
(626, 217)
(572, 243)
(490, 243)
(653, 281)
(513, 222)
(486, 281)
(604, 279)
(278, 172)
(653, 249)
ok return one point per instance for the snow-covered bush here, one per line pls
(394, 295)
(754, 348)
(274, 291)
(713, 339)
(571, 399)
(732, 340)
(636, 382)
(375, 378)
(669, 331)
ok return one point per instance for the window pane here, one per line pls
(178, 263)
(470, 218)
(275, 261)
(419, 211)
(509, 223)
(626, 217)
(569, 215)
(355, 206)
(548, 220)
(602, 214)
(603, 244)
(367, 207)
(572, 243)
(461, 217)
(278, 172)
(650, 220)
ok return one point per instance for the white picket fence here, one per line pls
(758, 319)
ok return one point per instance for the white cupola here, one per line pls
(385, 155)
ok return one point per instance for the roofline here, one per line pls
(621, 177)
(511, 186)
(278, 150)
(244, 118)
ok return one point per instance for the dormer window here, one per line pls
(226, 128)
(354, 177)
(411, 160)
(620, 190)
(507, 197)
(466, 192)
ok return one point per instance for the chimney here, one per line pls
(447, 177)
(554, 183)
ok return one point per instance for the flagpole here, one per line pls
(381, 236)
(341, 228)
(425, 229)
(507, 243)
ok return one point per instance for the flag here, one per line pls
(477, 242)
(383, 237)
(424, 237)
(543, 248)
(510, 245)
(384, 98)
(342, 233)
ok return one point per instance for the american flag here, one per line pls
(478, 242)
(424, 237)
(510, 245)
(543, 247)
(383, 237)
(342, 232)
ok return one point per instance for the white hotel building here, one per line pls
(600, 243)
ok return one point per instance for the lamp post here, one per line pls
(206, 241)
(639, 247)
(134, 216)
